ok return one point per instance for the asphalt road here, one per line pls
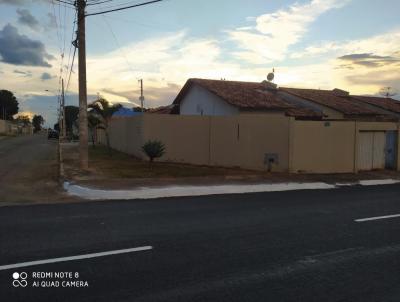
(284, 246)
(28, 168)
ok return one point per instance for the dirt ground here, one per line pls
(121, 171)
(29, 170)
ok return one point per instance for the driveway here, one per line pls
(281, 246)
(28, 169)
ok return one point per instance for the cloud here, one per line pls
(368, 60)
(26, 18)
(52, 21)
(46, 76)
(20, 50)
(13, 2)
(273, 34)
(20, 2)
(383, 44)
(153, 95)
(24, 73)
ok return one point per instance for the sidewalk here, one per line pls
(104, 180)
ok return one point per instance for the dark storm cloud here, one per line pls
(26, 18)
(46, 76)
(20, 50)
(368, 60)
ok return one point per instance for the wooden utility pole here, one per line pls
(141, 98)
(83, 125)
(64, 129)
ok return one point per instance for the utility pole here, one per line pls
(83, 125)
(64, 128)
(141, 98)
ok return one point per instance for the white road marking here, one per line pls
(78, 257)
(377, 218)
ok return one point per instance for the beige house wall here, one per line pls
(322, 147)
(244, 140)
(329, 147)
(186, 138)
(231, 141)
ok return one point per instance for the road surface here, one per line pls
(283, 246)
(28, 168)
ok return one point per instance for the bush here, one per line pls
(153, 149)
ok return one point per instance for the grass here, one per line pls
(121, 165)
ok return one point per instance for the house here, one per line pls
(265, 127)
(224, 98)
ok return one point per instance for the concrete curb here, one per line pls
(186, 191)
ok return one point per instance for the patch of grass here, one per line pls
(121, 165)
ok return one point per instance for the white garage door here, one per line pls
(371, 150)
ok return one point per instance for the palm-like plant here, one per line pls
(94, 123)
(153, 149)
(104, 110)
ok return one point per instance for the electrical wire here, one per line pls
(123, 8)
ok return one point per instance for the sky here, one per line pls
(323, 44)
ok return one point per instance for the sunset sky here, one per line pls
(348, 44)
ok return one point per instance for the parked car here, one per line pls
(52, 134)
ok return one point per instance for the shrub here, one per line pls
(153, 149)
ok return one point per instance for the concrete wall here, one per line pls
(200, 101)
(329, 147)
(244, 140)
(322, 147)
(235, 141)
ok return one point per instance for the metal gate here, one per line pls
(391, 150)
(371, 150)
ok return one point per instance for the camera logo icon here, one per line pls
(19, 279)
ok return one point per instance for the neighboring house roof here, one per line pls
(248, 96)
(264, 96)
(161, 110)
(125, 112)
(333, 100)
(384, 103)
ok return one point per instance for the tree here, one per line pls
(37, 122)
(71, 115)
(8, 105)
(153, 149)
(387, 92)
(94, 123)
(23, 119)
(104, 110)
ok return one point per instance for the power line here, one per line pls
(123, 8)
(70, 72)
(65, 2)
(118, 44)
(101, 2)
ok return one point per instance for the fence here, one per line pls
(237, 141)
(270, 141)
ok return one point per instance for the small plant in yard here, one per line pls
(153, 149)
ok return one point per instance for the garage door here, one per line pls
(371, 150)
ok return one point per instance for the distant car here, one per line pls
(52, 134)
